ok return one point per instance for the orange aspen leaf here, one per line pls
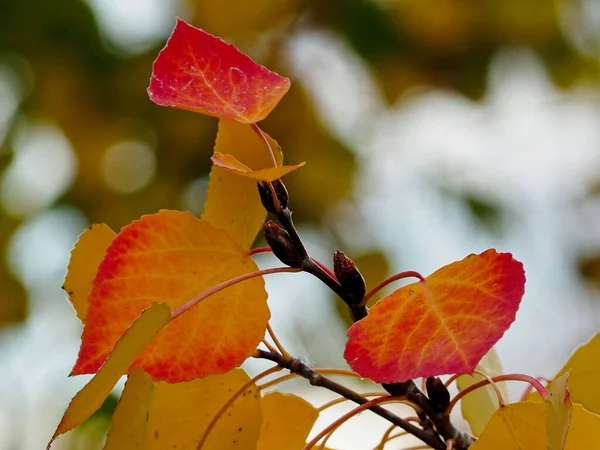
(232, 202)
(199, 72)
(133, 341)
(182, 412)
(518, 426)
(129, 423)
(85, 258)
(230, 163)
(287, 422)
(442, 326)
(170, 257)
(558, 408)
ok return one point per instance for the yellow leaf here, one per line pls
(90, 398)
(129, 424)
(232, 202)
(85, 258)
(518, 426)
(558, 413)
(287, 421)
(230, 163)
(584, 367)
(583, 432)
(182, 412)
(479, 406)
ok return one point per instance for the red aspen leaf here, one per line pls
(480, 405)
(171, 257)
(287, 422)
(129, 423)
(232, 202)
(133, 341)
(444, 326)
(230, 163)
(518, 426)
(181, 413)
(202, 73)
(85, 258)
(558, 413)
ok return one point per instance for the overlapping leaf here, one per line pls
(480, 405)
(85, 258)
(558, 413)
(200, 72)
(229, 162)
(171, 257)
(287, 421)
(232, 202)
(442, 326)
(90, 398)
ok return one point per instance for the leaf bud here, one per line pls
(438, 393)
(349, 277)
(266, 195)
(280, 242)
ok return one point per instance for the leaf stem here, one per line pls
(297, 366)
(219, 287)
(263, 138)
(280, 347)
(229, 402)
(337, 401)
(507, 377)
(256, 251)
(384, 283)
(269, 346)
(493, 384)
(341, 420)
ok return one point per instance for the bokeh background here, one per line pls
(432, 129)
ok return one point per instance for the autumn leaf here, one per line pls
(90, 398)
(583, 432)
(85, 258)
(171, 257)
(181, 414)
(233, 203)
(230, 163)
(442, 326)
(479, 405)
(518, 426)
(202, 73)
(287, 421)
(129, 424)
(558, 408)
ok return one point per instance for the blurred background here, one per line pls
(431, 129)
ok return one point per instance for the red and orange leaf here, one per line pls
(202, 73)
(91, 397)
(230, 163)
(443, 326)
(171, 257)
(85, 258)
(232, 202)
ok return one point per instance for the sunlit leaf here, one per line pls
(129, 425)
(181, 413)
(171, 257)
(202, 73)
(583, 432)
(558, 413)
(90, 398)
(518, 426)
(460, 312)
(229, 162)
(479, 406)
(85, 258)
(232, 202)
(287, 421)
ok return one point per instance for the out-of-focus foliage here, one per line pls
(132, 157)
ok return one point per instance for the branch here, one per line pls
(300, 368)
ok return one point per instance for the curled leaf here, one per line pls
(230, 163)
(199, 72)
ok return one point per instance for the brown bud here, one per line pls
(349, 277)
(280, 242)
(438, 394)
(266, 195)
